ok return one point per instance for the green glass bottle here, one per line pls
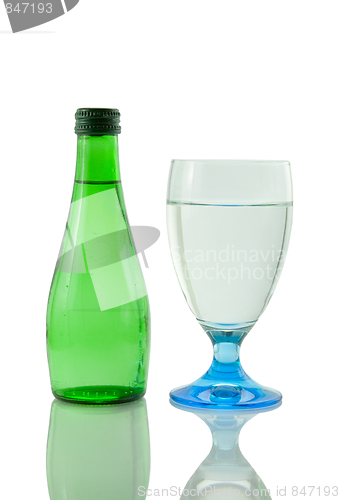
(98, 318)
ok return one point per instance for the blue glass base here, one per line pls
(222, 396)
(225, 412)
(226, 386)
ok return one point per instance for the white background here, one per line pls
(192, 79)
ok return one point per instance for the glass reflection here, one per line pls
(225, 473)
(100, 452)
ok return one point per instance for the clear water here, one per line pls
(228, 259)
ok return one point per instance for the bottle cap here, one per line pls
(97, 121)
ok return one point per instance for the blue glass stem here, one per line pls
(226, 385)
(226, 364)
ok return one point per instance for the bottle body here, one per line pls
(98, 318)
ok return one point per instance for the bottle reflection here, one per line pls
(225, 473)
(98, 452)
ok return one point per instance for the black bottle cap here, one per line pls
(97, 121)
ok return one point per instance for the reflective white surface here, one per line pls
(100, 452)
(225, 472)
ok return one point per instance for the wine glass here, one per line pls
(229, 223)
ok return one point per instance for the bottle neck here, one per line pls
(97, 160)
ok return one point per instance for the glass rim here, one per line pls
(248, 162)
(238, 182)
